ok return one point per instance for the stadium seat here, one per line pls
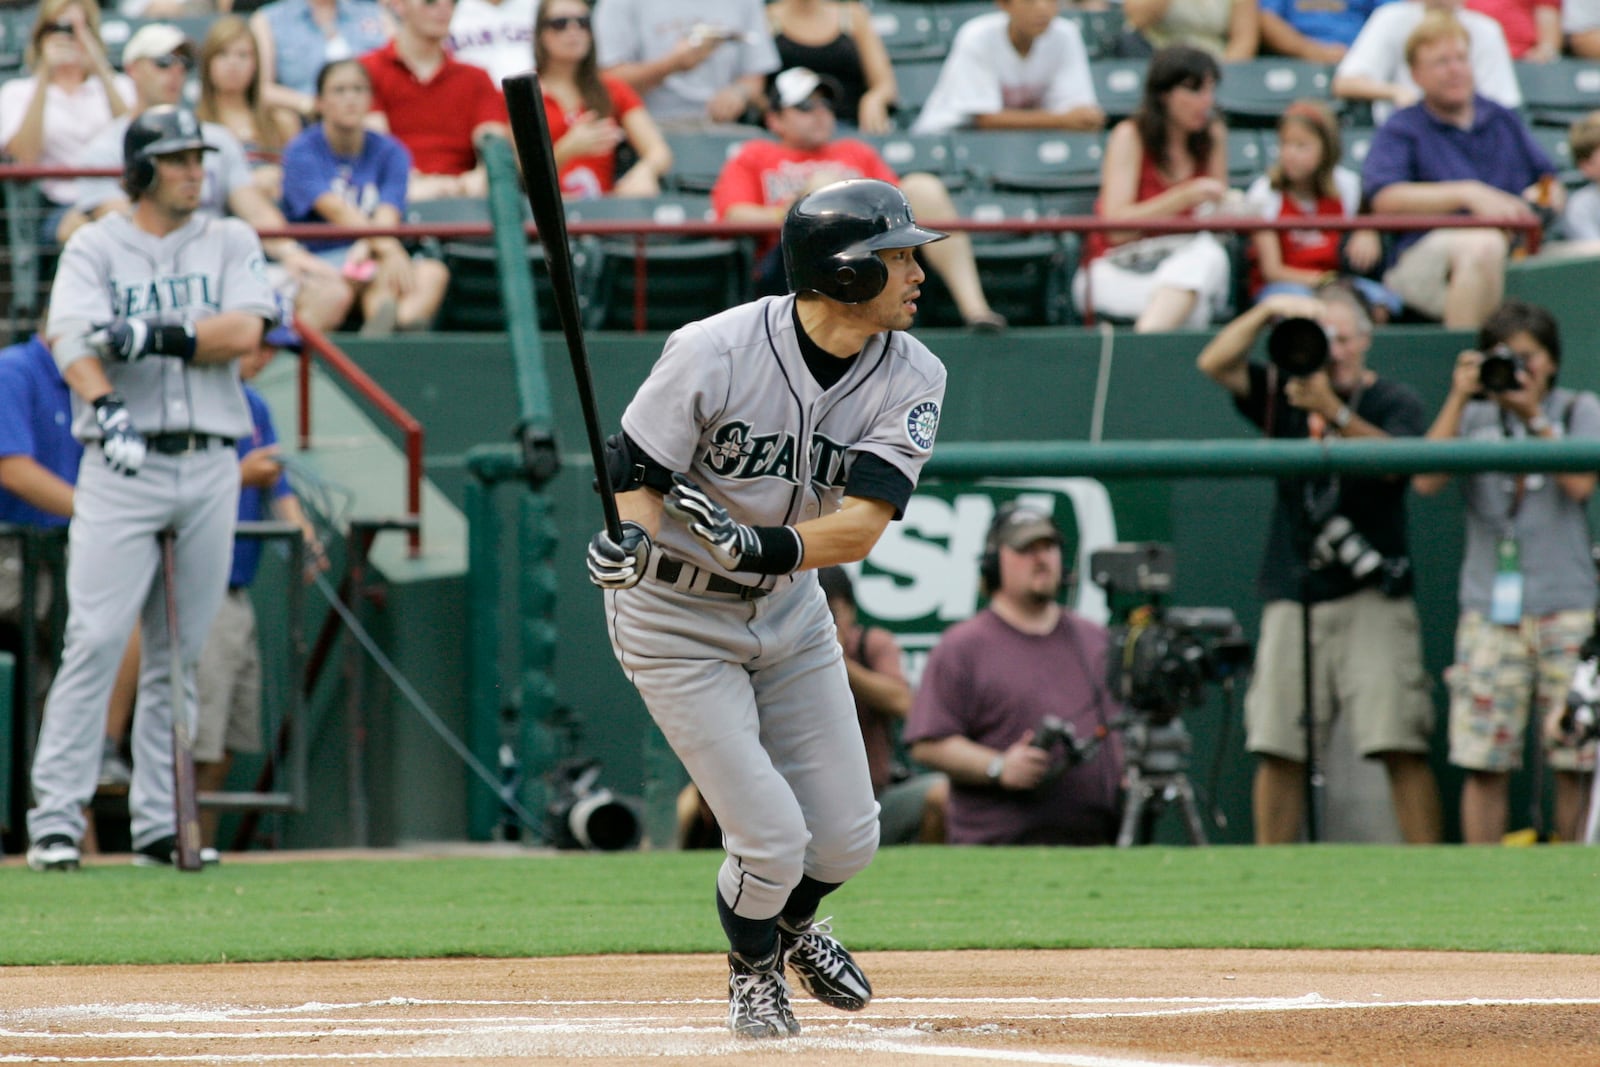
(1026, 276)
(473, 301)
(1561, 92)
(1024, 161)
(683, 278)
(1246, 158)
(907, 153)
(948, 17)
(14, 28)
(698, 157)
(1357, 139)
(1554, 141)
(908, 31)
(1118, 85)
(1254, 93)
(915, 80)
(1101, 29)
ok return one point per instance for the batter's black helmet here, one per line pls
(159, 131)
(831, 238)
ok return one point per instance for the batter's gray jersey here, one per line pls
(112, 269)
(732, 404)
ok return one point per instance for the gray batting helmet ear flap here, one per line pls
(157, 131)
(832, 237)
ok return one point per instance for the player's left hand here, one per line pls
(123, 339)
(732, 543)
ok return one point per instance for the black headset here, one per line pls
(989, 562)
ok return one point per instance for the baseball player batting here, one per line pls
(147, 315)
(769, 440)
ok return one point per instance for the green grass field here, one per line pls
(1328, 896)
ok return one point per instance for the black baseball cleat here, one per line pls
(758, 997)
(54, 852)
(824, 968)
(163, 852)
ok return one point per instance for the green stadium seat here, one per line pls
(1118, 85)
(698, 157)
(1025, 161)
(1026, 276)
(948, 17)
(1561, 92)
(1101, 29)
(907, 153)
(1246, 157)
(908, 31)
(1356, 140)
(1554, 141)
(1255, 93)
(472, 301)
(915, 80)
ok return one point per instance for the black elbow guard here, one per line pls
(628, 467)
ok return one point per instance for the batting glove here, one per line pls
(130, 340)
(760, 549)
(120, 444)
(619, 565)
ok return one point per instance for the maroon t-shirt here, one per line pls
(987, 681)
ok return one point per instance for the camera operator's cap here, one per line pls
(794, 87)
(1025, 526)
(156, 40)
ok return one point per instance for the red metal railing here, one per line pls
(317, 345)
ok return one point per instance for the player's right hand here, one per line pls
(123, 339)
(619, 565)
(122, 446)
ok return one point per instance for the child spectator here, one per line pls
(298, 37)
(435, 105)
(73, 93)
(230, 96)
(1169, 160)
(1581, 219)
(1307, 180)
(339, 171)
(837, 40)
(592, 114)
(1022, 67)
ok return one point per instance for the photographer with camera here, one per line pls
(1013, 706)
(1336, 558)
(1528, 585)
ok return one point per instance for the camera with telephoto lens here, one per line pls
(1161, 659)
(1580, 722)
(1501, 370)
(1337, 543)
(1298, 346)
(581, 815)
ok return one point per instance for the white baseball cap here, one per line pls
(154, 41)
(795, 86)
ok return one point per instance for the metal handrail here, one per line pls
(318, 345)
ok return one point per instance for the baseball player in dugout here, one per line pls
(772, 439)
(147, 317)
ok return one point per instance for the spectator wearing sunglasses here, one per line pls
(496, 35)
(591, 114)
(158, 59)
(72, 94)
(763, 178)
(434, 104)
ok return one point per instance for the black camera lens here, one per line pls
(1500, 370)
(1298, 346)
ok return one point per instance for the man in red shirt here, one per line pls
(764, 177)
(436, 105)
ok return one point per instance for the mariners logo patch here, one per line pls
(922, 423)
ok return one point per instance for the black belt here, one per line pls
(669, 570)
(176, 444)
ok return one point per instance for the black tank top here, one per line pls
(840, 59)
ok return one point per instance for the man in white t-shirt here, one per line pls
(1375, 68)
(496, 35)
(1022, 67)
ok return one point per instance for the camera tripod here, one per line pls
(1158, 761)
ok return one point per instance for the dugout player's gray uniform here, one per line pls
(751, 691)
(112, 269)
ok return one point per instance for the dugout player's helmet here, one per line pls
(831, 238)
(158, 131)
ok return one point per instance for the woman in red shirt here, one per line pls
(590, 114)
(1169, 160)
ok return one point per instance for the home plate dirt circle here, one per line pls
(1079, 1008)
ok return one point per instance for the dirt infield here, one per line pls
(1087, 1008)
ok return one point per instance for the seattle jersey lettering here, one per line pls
(735, 453)
(173, 292)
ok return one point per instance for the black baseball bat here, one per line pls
(184, 796)
(530, 132)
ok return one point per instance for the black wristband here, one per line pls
(178, 340)
(106, 401)
(781, 551)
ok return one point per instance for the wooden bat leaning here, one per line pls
(530, 130)
(187, 807)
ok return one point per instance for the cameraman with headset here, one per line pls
(1013, 705)
(1528, 586)
(1337, 545)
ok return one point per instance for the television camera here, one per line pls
(1160, 661)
